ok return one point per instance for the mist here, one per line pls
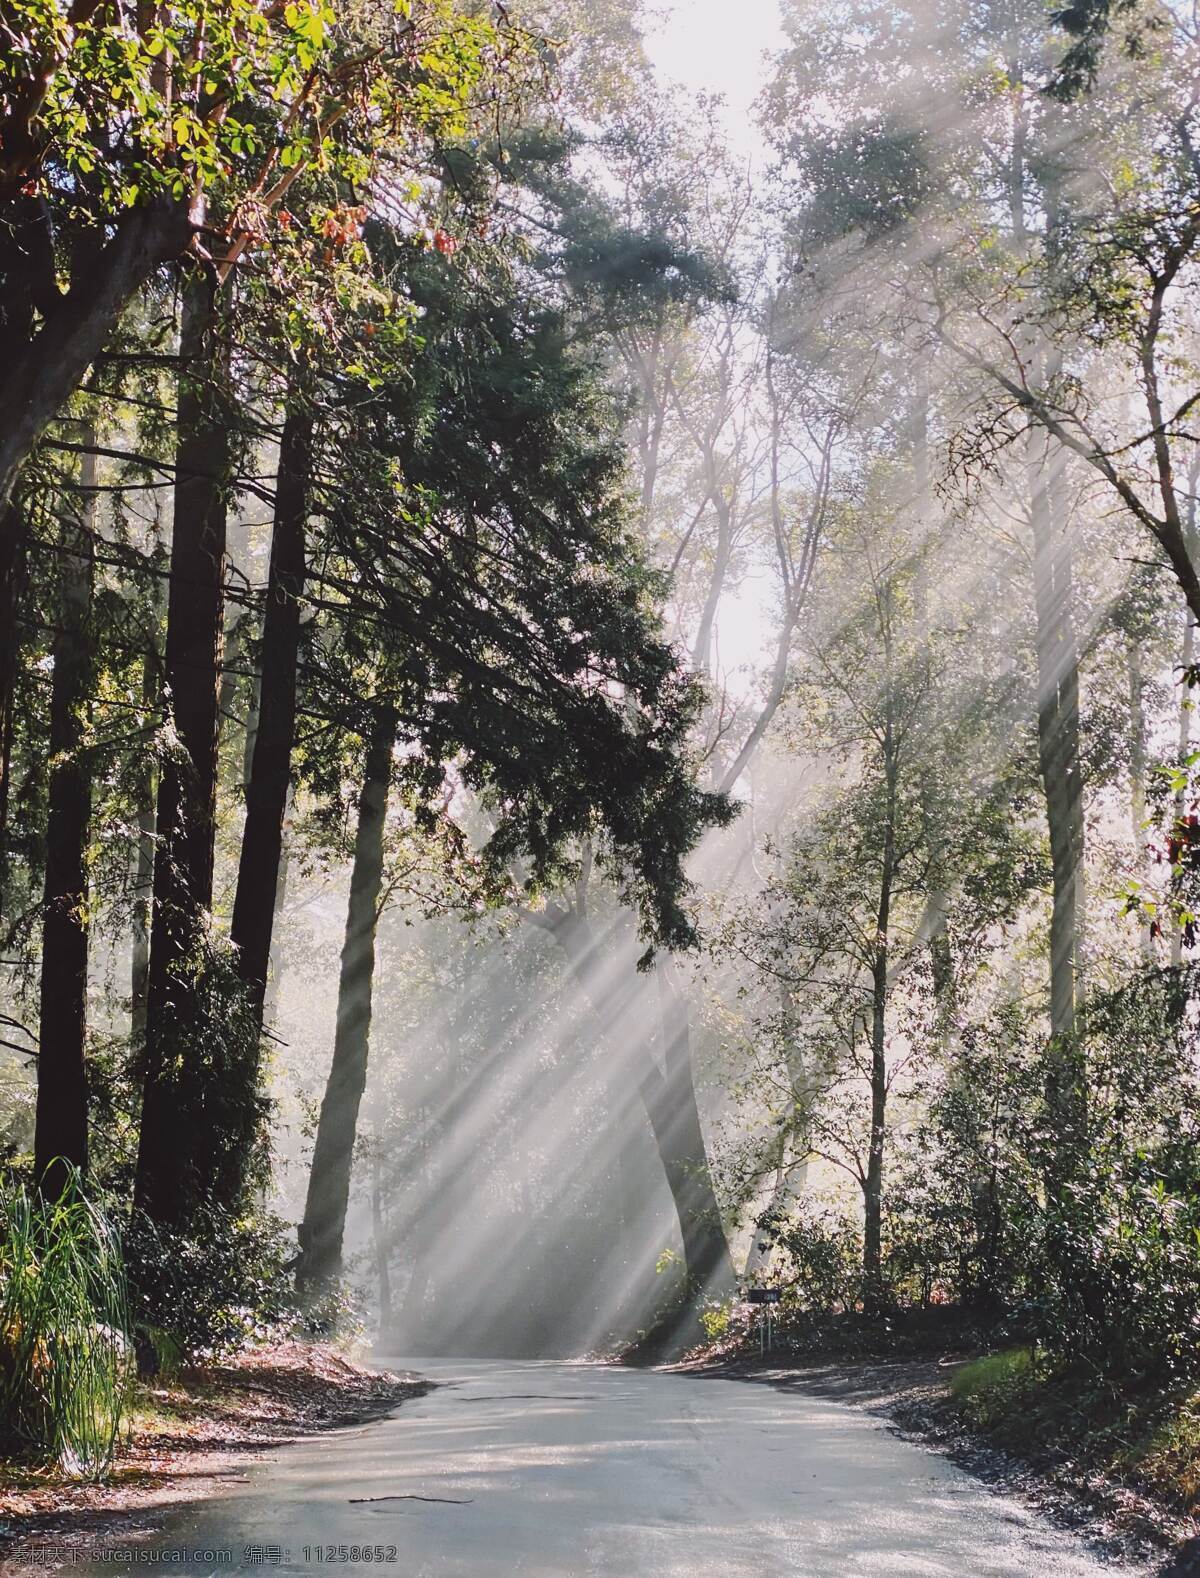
(597, 674)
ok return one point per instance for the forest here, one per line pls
(591, 721)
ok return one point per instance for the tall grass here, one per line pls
(993, 1389)
(65, 1357)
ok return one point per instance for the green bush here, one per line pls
(211, 1288)
(824, 1250)
(65, 1357)
(1117, 1250)
(716, 1320)
(1121, 1294)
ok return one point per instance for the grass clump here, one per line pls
(1164, 1455)
(65, 1358)
(989, 1389)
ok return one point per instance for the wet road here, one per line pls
(570, 1471)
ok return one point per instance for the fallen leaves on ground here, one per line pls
(188, 1436)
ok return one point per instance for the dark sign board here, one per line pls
(764, 1295)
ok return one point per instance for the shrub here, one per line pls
(1121, 1295)
(1118, 1291)
(212, 1287)
(824, 1249)
(716, 1319)
(341, 1310)
(65, 1363)
(1166, 1457)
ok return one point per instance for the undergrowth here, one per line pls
(1143, 1437)
(989, 1389)
(65, 1357)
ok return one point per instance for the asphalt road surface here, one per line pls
(576, 1471)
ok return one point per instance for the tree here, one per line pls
(187, 790)
(498, 529)
(270, 768)
(187, 131)
(61, 1135)
(125, 149)
(324, 1222)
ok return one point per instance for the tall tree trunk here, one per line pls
(231, 656)
(795, 1140)
(1060, 768)
(758, 1256)
(143, 854)
(1187, 703)
(274, 737)
(250, 740)
(941, 968)
(275, 978)
(873, 1290)
(28, 286)
(379, 1234)
(669, 1095)
(1137, 782)
(1183, 747)
(324, 1224)
(670, 1099)
(60, 1139)
(187, 790)
(12, 577)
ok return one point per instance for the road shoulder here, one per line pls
(912, 1396)
(190, 1439)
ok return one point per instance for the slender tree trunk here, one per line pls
(275, 978)
(270, 771)
(187, 790)
(12, 578)
(231, 657)
(12, 560)
(674, 1115)
(723, 555)
(1059, 764)
(1184, 747)
(941, 968)
(669, 1099)
(28, 286)
(758, 1256)
(1137, 782)
(789, 1185)
(324, 1223)
(795, 1137)
(61, 1128)
(379, 1234)
(873, 1290)
(143, 854)
(253, 704)
(1186, 699)
(1057, 683)
(675, 1119)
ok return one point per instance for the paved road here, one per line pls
(571, 1471)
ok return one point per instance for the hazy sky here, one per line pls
(713, 47)
(716, 47)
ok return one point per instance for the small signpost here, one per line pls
(766, 1321)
